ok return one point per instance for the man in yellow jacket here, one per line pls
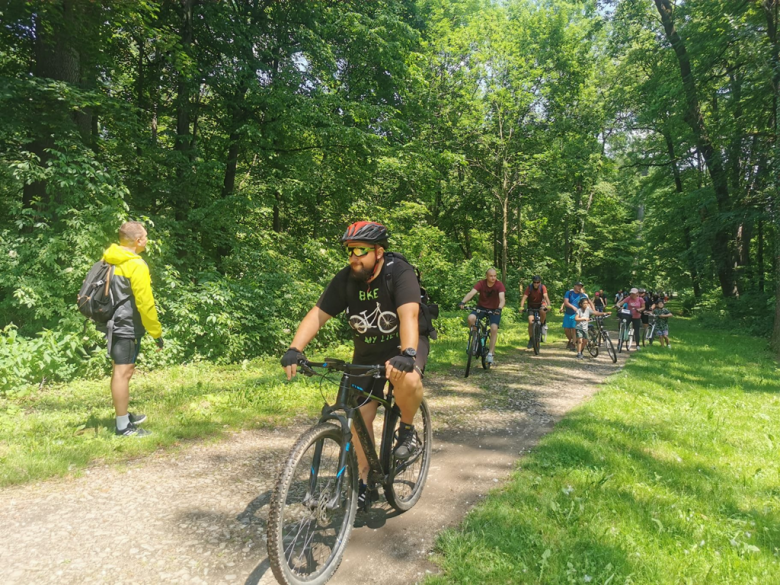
(135, 314)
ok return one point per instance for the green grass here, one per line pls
(669, 475)
(62, 429)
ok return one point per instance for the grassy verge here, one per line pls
(60, 430)
(669, 475)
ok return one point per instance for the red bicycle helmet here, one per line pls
(366, 231)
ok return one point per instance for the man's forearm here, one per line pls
(409, 329)
(309, 327)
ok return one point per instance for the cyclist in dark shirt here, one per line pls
(536, 294)
(385, 329)
(599, 302)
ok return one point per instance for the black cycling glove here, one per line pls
(496, 311)
(291, 357)
(404, 363)
(159, 342)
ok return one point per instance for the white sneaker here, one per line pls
(669, 346)
(544, 332)
(489, 358)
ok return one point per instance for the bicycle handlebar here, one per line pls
(335, 365)
(485, 311)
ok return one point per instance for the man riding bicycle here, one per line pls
(385, 327)
(536, 295)
(492, 297)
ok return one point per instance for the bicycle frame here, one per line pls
(482, 324)
(346, 412)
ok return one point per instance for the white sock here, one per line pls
(122, 422)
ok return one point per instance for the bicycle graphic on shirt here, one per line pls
(385, 321)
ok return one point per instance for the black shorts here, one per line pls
(124, 350)
(645, 319)
(376, 386)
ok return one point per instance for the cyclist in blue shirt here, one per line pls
(571, 302)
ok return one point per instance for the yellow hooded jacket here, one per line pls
(131, 287)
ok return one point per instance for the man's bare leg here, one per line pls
(120, 387)
(368, 411)
(408, 394)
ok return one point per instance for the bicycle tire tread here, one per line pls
(275, 559)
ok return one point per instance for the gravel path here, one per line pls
(198, 515)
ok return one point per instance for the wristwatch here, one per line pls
(409, 352)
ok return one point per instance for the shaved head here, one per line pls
(130, 231)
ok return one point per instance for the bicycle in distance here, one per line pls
(599, 337)
(315, 499)
(650, 329)
(537, 335)
(479, 338)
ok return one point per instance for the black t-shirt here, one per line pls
(370, 309)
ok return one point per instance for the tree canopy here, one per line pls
(621, 142)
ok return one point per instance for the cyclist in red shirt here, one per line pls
(536, 294)
(492, 297)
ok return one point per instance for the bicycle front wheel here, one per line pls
(593, 344)
(310, 515)
(621, 335)
(470, 350)
(407, 480)
(537, 337)
(610, 348)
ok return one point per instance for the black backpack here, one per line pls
(428, 310)
(95, 300)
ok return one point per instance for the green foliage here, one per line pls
(529, 136)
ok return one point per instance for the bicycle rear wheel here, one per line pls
(484, 347)
(309, 521)
(610, 348)
(651, 334)
(537, 339)
(407, 480)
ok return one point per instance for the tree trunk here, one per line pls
(504, 238)
(760, 256)
(277, 225)
(56, 57)
(712, 157)
(771, 12)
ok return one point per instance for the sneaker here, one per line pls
(669, 346)
(366, 497)
(530, 344)
(137, 419)
(580, 356)
(407, 444)
(544, 332)
(489, 358)
(132, 431)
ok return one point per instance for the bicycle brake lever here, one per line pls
(305, 368)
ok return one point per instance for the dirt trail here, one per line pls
(198, 516)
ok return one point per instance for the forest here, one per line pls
(620, 142)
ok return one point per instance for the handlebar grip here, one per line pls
(305, 367)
